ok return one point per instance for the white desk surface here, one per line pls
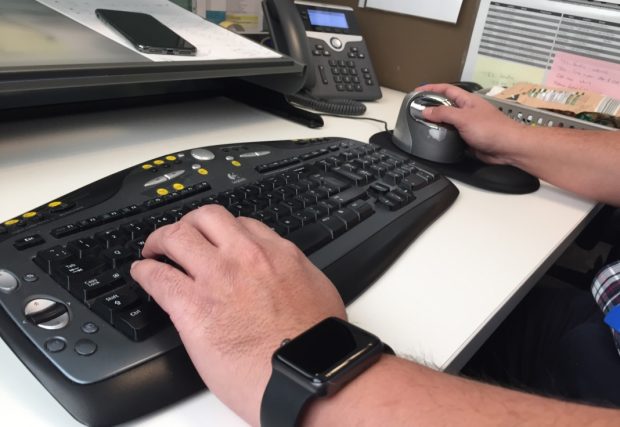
(432, 302)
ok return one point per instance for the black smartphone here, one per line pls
(146, 33)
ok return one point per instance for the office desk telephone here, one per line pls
(327, 39)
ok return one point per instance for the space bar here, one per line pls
(310, 238)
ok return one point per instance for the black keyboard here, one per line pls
(72, 313)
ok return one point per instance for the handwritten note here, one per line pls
(490, 71)
(579, 72)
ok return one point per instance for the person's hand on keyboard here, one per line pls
(243, 290)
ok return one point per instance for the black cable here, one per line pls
(385, 125)
(345, 107)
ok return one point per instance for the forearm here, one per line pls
(399, 392)
(584, 162)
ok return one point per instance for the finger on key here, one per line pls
(181, 243)
(170, 288)
(216, 224)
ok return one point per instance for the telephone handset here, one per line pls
(327, 39)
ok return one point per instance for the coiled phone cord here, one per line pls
(345, 107)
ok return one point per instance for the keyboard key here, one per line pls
(348, 196)
(293, 204)
(324, 192)
(111, 238)
(396, 198)
(281, 210)
(262, 216)
(377, 171)
(85, 247)
(334, 225)
(378, 188)
(309, 198)
(363, 209)
(387, 203)
(405, 194)
(367, 176)
(89, 223)
(116, 257)
(334, 183)
(348, 216)
(136, 246)
(315, 212)
(310, 238)
(285, 193)
(135, 230)
(327, 206)
(414, 182)
(257, 203)
(98, 285)
(109, 305)
(69, 273)
(176, 214)
(52, 256)
(28, 242)
(305, 217)
(393, 177)
(386, 166)
(65, 230)
(426, 175)
(290, 223)
(141, 321)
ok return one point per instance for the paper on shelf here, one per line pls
(212, 42)
(579, 72)
(573, 101)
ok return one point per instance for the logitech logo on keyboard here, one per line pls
(236, 179)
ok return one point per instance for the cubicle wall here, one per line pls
(407, 50)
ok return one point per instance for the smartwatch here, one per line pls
(317, 363)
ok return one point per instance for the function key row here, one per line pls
(271, 166)
(128, 211)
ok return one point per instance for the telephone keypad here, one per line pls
(344, 71)
(345, 76)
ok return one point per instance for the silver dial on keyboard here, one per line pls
(202, 154)
(8, 282)
(47, 314)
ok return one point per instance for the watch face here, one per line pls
(327, 349)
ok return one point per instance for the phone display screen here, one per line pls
(146, 33)
(324, 18)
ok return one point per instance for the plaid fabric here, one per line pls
(606, 292)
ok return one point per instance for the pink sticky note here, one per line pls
(579, 72)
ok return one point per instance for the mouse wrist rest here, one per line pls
(499, 178)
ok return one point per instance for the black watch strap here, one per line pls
(285, 400)
(316, 363)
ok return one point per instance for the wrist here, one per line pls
(519, 141)
(324, 412)
(316, 364)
